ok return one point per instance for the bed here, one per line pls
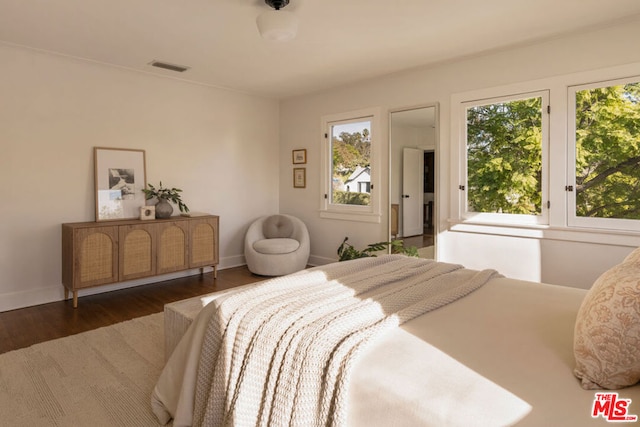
(483, 350)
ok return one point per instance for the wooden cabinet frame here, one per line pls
(99, 253)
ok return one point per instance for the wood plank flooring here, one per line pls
(27, 326)
(420, 241)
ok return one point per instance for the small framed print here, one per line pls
(299, 177)
(148, 212)
(299, 156)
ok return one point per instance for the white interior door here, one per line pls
(412, 191)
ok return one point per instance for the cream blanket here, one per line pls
(281, 353)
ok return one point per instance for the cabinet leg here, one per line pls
(75, 299)
(66, 293)
(215, 271)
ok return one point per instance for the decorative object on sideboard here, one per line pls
(163, 209)
(148, 212)
(164, 196)
(119, 175)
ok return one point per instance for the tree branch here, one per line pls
(598, 179)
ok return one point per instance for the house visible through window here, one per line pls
(349, 190)
(351, 162)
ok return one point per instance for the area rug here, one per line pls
(426, 252)
(102, 377)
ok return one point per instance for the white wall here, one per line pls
(554, 260)
(213, 144)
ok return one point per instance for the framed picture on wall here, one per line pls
(299, 156)
(299, 177)
(119, 176)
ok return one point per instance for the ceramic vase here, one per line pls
(163, 209)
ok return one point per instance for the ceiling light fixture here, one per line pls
(276, 24)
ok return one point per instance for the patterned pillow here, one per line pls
(607, 331)
(633, 257)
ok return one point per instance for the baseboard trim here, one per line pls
(318, 260)
(22, 299)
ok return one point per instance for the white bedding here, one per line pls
(501, 355)
(515, 334)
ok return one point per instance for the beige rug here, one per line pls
(98, 378)
(426, 252)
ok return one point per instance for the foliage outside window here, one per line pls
(504, 154)
(350, 166)
(351, 163)
(607, 153)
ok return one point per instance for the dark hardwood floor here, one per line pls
(422, 240)
(27, 326)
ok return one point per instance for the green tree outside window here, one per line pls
(504, 157)
(608, 152)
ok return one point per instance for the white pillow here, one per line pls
(607, 331)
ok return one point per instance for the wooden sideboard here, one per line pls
(100, 253)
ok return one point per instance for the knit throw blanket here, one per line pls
(281, 353)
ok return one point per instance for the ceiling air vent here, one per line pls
(167, 66)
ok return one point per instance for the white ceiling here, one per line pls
(339, 41)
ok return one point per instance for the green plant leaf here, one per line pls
(347, 252)
(170, 194)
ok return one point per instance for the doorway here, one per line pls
(417, 200)
(412, 189)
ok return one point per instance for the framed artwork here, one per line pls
(299, 177)
(119, 176)
(299, 156)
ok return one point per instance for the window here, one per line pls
(579, 177)
(350, 153)
(505, 141)
(604, 138)
(351, 162)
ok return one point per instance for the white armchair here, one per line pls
(276, 245)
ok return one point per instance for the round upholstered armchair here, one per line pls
(276, 245)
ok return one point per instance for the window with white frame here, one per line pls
(604, 147)
(350, 159)
(505, 141)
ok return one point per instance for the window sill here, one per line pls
(351, 216)
(571, 234)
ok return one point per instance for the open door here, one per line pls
(412, 191)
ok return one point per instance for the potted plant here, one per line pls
(346, 251)
(164, 196)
